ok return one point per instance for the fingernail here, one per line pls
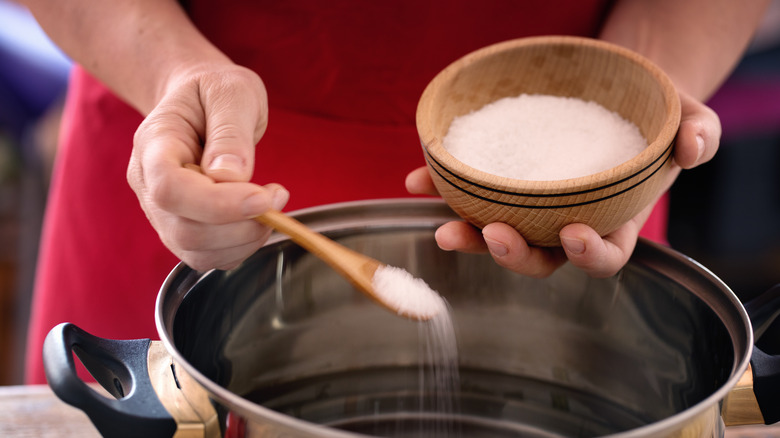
(254, 205)
(439, 237)
(280, 198)
(496, 248)
(700, 146)
(574, 246)
(229, 162)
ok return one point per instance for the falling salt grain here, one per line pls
(439, 376)
(410, 295)
(541, 137)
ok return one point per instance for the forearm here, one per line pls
(697, 42)
(136, 47)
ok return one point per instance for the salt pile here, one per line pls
(410, 295)
(541, 137)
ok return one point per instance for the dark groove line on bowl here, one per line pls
(550, 195)
(547, 207)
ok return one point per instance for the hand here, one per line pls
(213, 117)
(697, 141)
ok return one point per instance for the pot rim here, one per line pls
(683, 269)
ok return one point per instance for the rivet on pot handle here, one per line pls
(121, 368)
(763, 311)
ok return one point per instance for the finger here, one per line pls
(699, 134)
(164, 141)
(598, 257)
(511, 251)
(236, 117)
(192, 237)
(460, 236)
(224, 259)
(168, 132)
(419, 182)
(195, 196)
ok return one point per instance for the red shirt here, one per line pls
(343, 80)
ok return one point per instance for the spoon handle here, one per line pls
(357, 268)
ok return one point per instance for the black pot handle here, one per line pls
(763, 311)
(121, 368)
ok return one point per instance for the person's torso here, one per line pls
(370, 60)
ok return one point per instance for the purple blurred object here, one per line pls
(33, 71)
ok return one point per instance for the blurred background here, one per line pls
(725, 214)
(33, 78)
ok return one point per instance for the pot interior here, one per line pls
(563, 356)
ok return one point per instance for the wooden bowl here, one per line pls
(614, 77)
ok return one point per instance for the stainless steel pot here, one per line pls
(283, 346)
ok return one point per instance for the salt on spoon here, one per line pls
(394, 288)
(407, 294)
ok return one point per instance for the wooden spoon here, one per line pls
(358, 268)
(402, 294)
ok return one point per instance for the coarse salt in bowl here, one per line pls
(554, 186)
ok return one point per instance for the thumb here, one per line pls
(229, 165)
(699, 134)
(235, 121)
(229, 151)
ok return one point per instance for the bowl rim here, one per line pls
(434, 149)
